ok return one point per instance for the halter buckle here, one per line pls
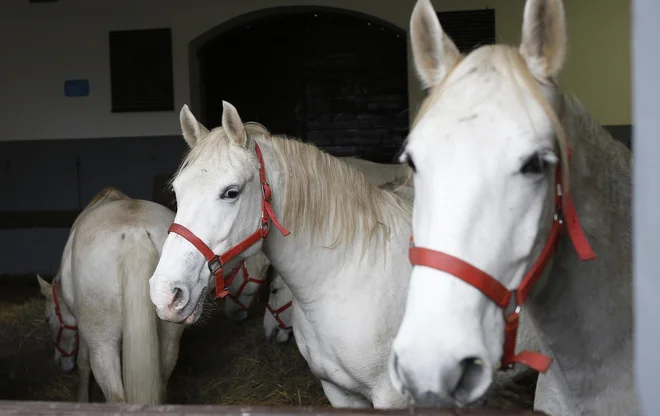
(214, 264)
(265, 190)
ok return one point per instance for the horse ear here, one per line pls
(233, 125)
(544, 38)
(257, 128)
(44, 287)
(193, 131)
(433, 51)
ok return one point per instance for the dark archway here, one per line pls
(334, 78)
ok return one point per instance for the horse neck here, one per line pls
(306, 259)
(584, 309)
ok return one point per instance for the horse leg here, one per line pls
(82, 361)
(338, 397)
(106, 367)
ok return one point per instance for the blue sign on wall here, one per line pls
(76, 88)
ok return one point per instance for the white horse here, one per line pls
(492, 149)
(345, 262)
(278, 318)
(247, 283)
(98, 303)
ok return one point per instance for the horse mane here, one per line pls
(397, 185)
(607, 156)
(593, 132)
(325, 195)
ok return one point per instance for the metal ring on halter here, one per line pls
(514, 307)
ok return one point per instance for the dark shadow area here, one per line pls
(331, 78)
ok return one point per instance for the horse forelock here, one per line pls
(214, 144)
(508, 61)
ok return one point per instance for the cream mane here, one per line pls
(325, 195)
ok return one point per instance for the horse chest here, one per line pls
(325, 355)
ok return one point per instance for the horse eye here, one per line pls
(534, 165)
(410, 163)
(273, 291)
(230, 193)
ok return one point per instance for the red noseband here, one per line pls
(277, 312)
(215, 263)
(63, 326)
(511, 301)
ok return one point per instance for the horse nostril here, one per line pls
(475, 378)
(179, 298)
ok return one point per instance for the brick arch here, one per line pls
(340, 82)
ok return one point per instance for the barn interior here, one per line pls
(92, 93)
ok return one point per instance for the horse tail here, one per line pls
(140, 345)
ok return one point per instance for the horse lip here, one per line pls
(194, 309)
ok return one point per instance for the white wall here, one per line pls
(42, 45)
(69, 39)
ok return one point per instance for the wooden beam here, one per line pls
(37, 219)
(97, 409)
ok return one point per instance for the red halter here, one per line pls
(215, 262)
(277, 312)
(246, 279)
(511, 301)
(63, 326)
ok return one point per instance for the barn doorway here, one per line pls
(333, 78)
